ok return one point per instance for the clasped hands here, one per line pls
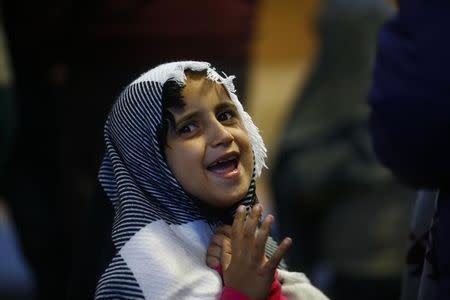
(240, 251)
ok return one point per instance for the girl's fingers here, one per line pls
(217, 239)
(224, 229)
(274, 261)
(219, 251)
(250, 227)
(226, 254)
(214, 250)
(261, 238)
(236, 230)
(213, 255)
(212, 262)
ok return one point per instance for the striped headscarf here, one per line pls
(160, 232)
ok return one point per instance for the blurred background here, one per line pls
(303, 69)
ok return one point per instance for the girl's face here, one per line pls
(208, 148)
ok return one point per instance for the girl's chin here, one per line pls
(231, 200)
(224, 197)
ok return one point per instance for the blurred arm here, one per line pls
(410, 95)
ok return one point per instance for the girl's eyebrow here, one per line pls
(185, 117)
(225, 105)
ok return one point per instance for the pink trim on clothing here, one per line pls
(232, 294)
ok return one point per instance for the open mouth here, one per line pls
(224, 166)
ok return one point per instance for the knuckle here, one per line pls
(248, 234)
(217, 239)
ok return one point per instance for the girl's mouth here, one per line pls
(225, 167)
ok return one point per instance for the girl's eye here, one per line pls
(186, 129)
(225, 116)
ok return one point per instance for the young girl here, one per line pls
(181, 159)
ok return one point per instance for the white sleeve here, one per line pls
(296, 286)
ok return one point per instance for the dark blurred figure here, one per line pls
(347, 213)
(410, 128)
(7, 104)
(418, 239)
(16, 280)
(71, 59)
(33, 179)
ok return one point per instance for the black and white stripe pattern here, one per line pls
(152, 211)
(119, 282)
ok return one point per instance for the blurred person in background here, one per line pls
(348, 214)
(35, 35)
(16, 280)
(410, 129)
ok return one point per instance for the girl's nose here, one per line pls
(220, 135)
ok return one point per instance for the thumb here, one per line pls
(226, 253)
